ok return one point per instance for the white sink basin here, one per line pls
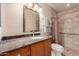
(37, 37)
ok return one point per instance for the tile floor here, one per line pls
(70, 52)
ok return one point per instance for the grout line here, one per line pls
(69, 33)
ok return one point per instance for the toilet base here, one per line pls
(57, 54)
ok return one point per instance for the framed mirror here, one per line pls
(30, 20)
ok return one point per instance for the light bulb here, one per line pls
(36, 7)
(30, 5)
(40, 10)
(67, 5)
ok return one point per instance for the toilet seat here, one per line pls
(54, 45)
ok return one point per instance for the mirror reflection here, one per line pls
(30, 20)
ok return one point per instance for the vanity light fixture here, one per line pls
(36, 7)
(30, 5)
(67, 5)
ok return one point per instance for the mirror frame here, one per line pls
(25, 22)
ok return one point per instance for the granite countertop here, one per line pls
(7, 45)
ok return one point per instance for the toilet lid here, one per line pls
(57, 46)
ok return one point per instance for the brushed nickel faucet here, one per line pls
(33, 32)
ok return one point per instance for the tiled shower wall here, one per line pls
(69, 28)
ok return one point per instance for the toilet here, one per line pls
(57, 49)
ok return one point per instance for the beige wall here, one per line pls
(0, 14)
(0, 22)
(12, 18)
(12, 15)
(0, 34)
(69, 24)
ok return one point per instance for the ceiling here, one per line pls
(58, 7)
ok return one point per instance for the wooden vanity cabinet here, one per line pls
(11, 53)
(47, 47)
(42, 48)
(37, 49)
(25, 51)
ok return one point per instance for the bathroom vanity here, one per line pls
(27, 47)
(27, 24)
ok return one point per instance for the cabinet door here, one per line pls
(47, 47)
(37, 49)
(25, 51)
(11, 53)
